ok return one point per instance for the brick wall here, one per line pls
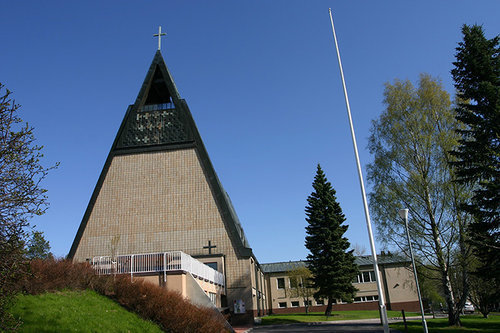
(161, 201)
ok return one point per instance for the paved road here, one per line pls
(338, 327)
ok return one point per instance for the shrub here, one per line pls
(167, 308)
(51, 275)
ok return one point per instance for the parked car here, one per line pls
(468, 307)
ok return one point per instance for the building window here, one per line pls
(295, 304)
(320, 302)
(309, 303)
(365, 277)
(213, 297)
(366, 298)
(281, 283)
(282, 304)
(212, 265)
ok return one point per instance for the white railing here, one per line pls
(154, 263)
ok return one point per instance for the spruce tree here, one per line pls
(477, 80)
(330, 261)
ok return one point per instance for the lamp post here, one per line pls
(403, 213)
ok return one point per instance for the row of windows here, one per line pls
(366, 298)
(292, 283)
(156, 107)
(295, 304)
(364, 277)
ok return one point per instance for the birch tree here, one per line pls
(410, 143)
(301, 285)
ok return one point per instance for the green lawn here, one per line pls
(76, 311)
(470, 324)
(319, 316)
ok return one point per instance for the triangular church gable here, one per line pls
(158, 183)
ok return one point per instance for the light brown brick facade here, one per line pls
(398, 285)
(157, 202)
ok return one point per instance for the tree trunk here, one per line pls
(328, 311)
(306, 304)
(464, 253)
(453, 316)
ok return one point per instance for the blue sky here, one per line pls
(260, 77)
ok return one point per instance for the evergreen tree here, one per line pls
(330, 261)
(38, 247)
(477, 80)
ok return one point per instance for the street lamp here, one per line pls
(403, 213)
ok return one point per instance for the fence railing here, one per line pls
(154, 263)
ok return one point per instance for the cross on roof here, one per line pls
(210, 247)
(159, 34)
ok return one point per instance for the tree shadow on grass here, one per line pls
(296, 318)
(278, 321)
(470, 324)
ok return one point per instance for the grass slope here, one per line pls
(470, 324)
(76, 311)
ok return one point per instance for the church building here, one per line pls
(159, 211)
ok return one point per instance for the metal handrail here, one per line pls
(154, 263)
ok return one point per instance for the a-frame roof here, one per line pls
(160, 120)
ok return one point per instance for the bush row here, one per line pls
(166, 308)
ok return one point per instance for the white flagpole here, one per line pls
(383, 311)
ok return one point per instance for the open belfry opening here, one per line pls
(159, 212)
